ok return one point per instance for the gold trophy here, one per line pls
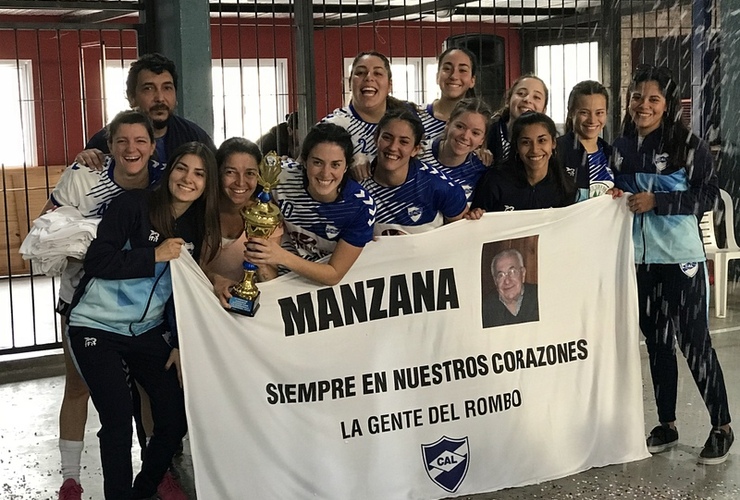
(260, 221)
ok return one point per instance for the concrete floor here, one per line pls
(29, 457)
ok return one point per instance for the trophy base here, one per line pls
(245, 307)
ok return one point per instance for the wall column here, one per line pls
(181, 31)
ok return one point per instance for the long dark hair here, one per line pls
(504, 112)
(675, 134)
(206, 206)
(586, 87)
(470, 93)
(566, 185)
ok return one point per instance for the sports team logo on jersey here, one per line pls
(153, 236)
(446, 461)
(690, 268)
(660, 161)
(331, 231)
(570, 171)
(414, 213)
(599, 187)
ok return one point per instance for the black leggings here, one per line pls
(105, 360)
(673, 305)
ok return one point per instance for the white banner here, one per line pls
(388, 386)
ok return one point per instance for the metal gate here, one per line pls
(63, 71)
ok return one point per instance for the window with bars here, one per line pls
(562, 66)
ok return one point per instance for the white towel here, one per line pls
(56, 235)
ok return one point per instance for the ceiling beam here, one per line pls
(121, 5)
(97, 17)
(386, 13)
(591, 15)
(63, 26)
(270, 8)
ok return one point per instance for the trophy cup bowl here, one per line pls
(260, 221)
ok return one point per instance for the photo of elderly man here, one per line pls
(512, 300)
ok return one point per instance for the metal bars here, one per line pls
(274, 57)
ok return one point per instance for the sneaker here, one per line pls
(662, 438)
(170, 489)
(70, 490)
(717, 447)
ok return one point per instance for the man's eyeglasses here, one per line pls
(513, 272)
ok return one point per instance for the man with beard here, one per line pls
(151, 87)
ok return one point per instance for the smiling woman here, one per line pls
(456, 72)
(582, 148)
(238, 162)
(371, 82)
(325, 212)
(533, 178)
(454, 152)
(412, 197)
(527, 93)
(131, 140)
(672, 175)
(124, 306)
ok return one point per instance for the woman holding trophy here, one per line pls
(324, 211)
(238, 162)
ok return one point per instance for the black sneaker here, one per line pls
(661, 438)
(717, 447)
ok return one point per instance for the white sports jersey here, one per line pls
(420, 204)
(433, 127)
(467, 174)
(90, 191)
(314, 228)
(362, 132)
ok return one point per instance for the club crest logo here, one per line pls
(331, 231)
(414, 213)
(446, 461)
(660, 161)
(599, 187)
(690, 268)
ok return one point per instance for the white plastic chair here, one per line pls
(720, 256)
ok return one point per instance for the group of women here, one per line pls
(376, 167)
